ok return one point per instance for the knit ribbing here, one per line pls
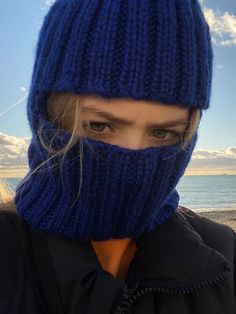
(157, 50)
(124, 192)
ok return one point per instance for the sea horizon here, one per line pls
(197, 192)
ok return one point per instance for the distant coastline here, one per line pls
(22, 174)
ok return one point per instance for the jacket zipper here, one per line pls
(129, 296)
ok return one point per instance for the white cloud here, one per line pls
(50, 2)
(214, 161)
(223, 27)
(13, 153)
(221, 66)
(23, 89)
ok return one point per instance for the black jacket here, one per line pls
(187, 266)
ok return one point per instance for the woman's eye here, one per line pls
(99, 129)
(166, 136)
(162, 133)
(96, 126)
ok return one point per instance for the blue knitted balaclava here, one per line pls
(156, 50)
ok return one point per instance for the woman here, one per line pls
(117, 93)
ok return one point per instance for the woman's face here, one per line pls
(134, 124)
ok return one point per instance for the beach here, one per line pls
(227, 217)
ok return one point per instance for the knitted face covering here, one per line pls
(125, 192)
(149, 49)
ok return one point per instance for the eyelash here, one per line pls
(177, 135)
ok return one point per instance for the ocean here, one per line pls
(199, 193)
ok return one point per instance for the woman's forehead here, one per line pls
(93, 103)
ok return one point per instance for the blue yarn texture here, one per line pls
(125, 192)
(154, 50)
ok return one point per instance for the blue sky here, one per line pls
(20, 23)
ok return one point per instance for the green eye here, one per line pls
(166, 136)
(97, 126)
(157, 136)
(160, 133)
(96, 129)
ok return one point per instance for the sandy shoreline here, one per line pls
(227, 217)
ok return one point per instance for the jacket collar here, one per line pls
(174, 254)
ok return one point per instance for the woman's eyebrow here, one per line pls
(127, 122)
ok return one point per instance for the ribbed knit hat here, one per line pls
(145, 49)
